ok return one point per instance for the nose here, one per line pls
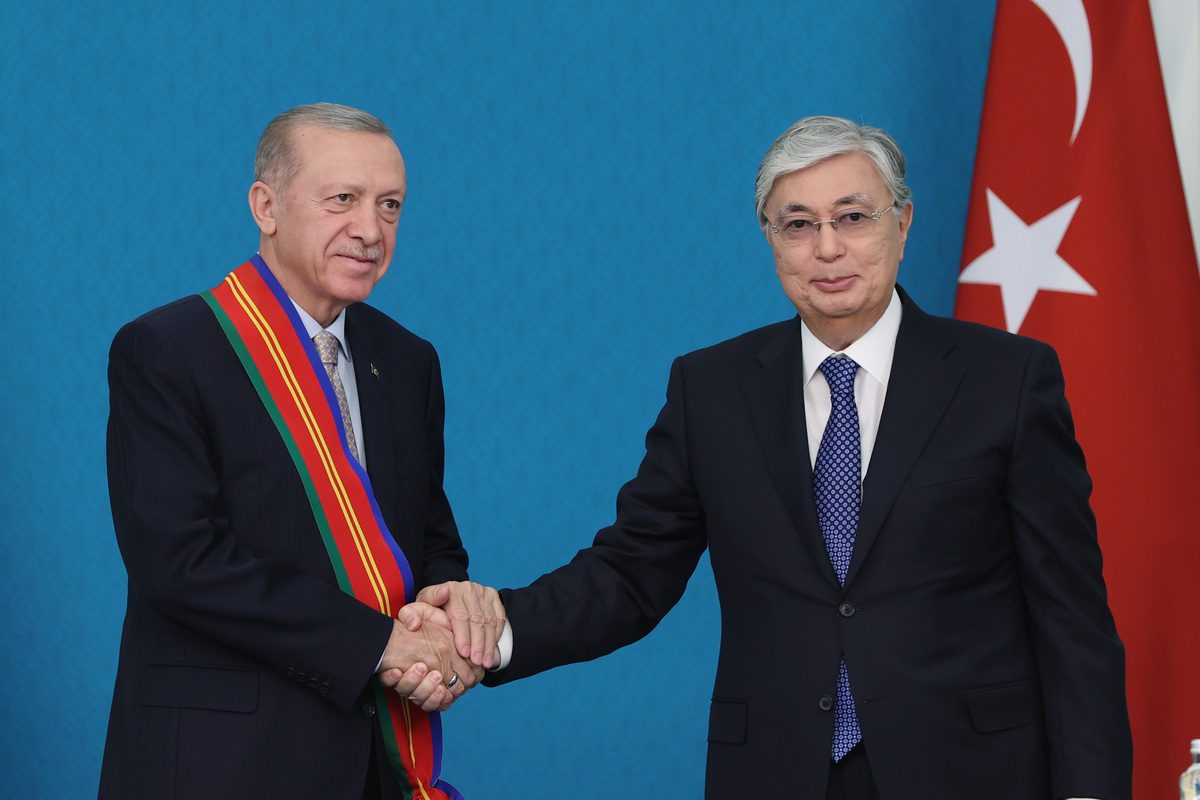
(364, 225)
(827, 243)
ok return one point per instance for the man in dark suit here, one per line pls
(244, 670)
(897, 515)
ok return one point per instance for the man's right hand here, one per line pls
(420, 659)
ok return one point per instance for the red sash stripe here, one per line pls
(281, 362)
(335, 484)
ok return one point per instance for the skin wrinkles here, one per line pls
(842, 202)
(839, 286)
(328, 235)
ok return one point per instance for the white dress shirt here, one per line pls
(873, 353)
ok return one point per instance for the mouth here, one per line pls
(834, 284)
(364, 259)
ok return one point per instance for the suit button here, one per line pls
(847, 610)
(825, 703)
(368, 710)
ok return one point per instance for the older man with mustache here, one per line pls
(275, 469)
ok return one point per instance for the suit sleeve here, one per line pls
(179, 550)
(614, 592)
(1081, 661)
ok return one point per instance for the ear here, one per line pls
(263, 205)
(905, 218)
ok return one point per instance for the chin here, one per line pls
(836, 309)
(356, 290)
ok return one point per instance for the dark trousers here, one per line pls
(851, 778)
(373, 789)
(379, 772)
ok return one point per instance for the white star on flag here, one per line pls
(1024, 260)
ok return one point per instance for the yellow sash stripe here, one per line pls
(412, 754)
(306, 414)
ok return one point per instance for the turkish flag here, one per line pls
(1078, 235)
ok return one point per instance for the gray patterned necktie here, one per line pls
(327, 349)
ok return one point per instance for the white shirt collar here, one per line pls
(872, 351)
(337, 328)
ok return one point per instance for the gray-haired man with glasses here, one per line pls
(896, 510)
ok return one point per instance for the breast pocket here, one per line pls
(989, 466)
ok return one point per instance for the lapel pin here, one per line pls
(374, 370)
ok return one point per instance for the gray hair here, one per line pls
(276, 162)
(815, 139)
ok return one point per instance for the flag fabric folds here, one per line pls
(1078, 235)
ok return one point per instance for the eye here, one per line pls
(797, 224)
(342, 198)
(389, 209)
(852, 218)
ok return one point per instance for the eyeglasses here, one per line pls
(853, 223)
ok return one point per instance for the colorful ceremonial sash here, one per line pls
(270, 340)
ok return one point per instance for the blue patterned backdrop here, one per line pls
(580, 211)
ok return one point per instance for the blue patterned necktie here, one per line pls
(837, 484)
(327, 349)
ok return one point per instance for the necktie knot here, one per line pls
(839, 374)
(327, 348)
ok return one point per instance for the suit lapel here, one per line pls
(923, 381)
(369, 373)
(773, 389)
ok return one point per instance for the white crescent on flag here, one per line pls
(1024, 259)
(1070, 20)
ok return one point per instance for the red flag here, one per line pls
(1078, 235)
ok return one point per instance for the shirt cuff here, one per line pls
(505, 646)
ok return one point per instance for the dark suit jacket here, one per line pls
(974, 619)
(243, 666)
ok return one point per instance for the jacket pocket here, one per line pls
(997, 708)
(963, 469)
(727, 722)
(212, 687)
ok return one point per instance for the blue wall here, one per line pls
(580, 211)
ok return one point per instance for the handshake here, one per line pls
(442, 643)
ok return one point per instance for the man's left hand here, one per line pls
(476, 617)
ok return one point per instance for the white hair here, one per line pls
(276, 162)
(815, 139)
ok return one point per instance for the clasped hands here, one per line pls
(451, 629)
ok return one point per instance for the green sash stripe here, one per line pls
(392, 744)
(264, 394)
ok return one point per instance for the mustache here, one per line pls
(372, 253)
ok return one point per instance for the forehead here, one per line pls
(850, 177)
(326, 154)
